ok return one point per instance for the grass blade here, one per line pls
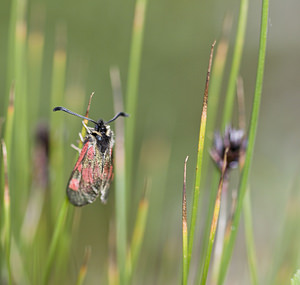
(184, 230)
(214, 222)
(55, 240)
(236, 62)
(230, 240)
(199, 160)
(120, 180)
(138, 236)
(57, 177)
(132, 84)
(6, 214)
(249, 238)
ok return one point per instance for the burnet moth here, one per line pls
(93, 171)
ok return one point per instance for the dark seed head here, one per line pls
(236, 142)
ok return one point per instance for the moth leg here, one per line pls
(76, 148)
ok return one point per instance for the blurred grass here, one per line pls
(214, 221)
(230, 240)
(6, 214)
(199, 160)
(185, 249)
(250, 238)
(41, 74)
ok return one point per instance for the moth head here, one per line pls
(101, 127)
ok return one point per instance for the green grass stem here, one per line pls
(236, 62)
(35, 51)
(184, 230)
(6, 214)
(137, 237)
(250, 238)
(120, 178)
(59, 228)
(132, 86)
(199, 161)
(57, 176)
(229, 242)
(5, 175)
(20, 156)
(214, 222)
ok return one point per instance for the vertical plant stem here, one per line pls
(249, 238)
(20, 156)
(184, 230)
(57, 177)
(236, 62)
(6, 176)
(120, 180)
(220, 230)
(138, 236)
(132, 85)
(55, 239)
(6, 214)
(214, 222)
(35, 51)
(230, 240)
(199, 160)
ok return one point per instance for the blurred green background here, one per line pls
(177, 38)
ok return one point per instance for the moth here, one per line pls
(93, 171)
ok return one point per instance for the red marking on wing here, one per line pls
(82, 153)
(87, 175)
(74, 184)
(91, 153)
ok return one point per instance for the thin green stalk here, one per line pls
(132, 86)
(9, 123)
(120, 180)
(214, 222)
(184, 230)
(236, 62)
(57, 178)
(199, 161)
(3, 203)
(35, 50)
(59, 228)
(230, 240)
(137, 237)
(20, 155)
(249, 238)
(6, 214)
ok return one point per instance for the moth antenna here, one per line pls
(59, 108)
(120, 114)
